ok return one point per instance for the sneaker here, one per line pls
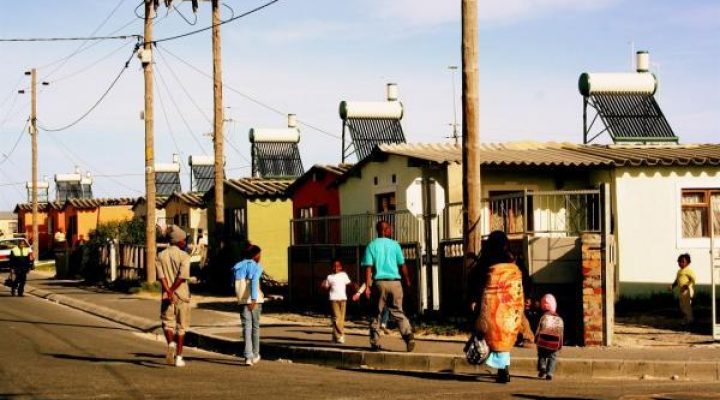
(170, 354)
(341, 339)
(248, 362)
(256, 359)
(179, 362)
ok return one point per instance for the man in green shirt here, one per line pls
(384, 263)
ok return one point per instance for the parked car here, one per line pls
(6, 245)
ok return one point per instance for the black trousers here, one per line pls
(20, 278)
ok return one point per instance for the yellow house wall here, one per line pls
(114, 213)
(648, 226)
(269, 228)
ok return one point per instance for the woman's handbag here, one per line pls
(9, 282)
(476, 350)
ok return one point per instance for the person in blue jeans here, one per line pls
(247, 288)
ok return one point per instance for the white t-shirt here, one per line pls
(338, 282)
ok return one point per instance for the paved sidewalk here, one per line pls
(310, 343)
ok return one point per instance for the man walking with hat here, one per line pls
(173, 272)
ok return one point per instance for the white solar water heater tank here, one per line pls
(68, 178)
(201, 160)
(631, 82)
(167, 167)
(371, 110)
(266, 135)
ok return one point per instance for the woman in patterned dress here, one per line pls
(501, 303)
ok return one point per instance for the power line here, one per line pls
(245, 14)
(94, 63)
(182, 86)
(86, 48)
(17, 141)
(76, 51)
(167, 120)
(69, 39)
(97, 103)
(72, 155)
(248, 97)
(177, 108)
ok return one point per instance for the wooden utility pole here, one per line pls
(218, 127)
(472, 192)
(150, 245)
(33, 137)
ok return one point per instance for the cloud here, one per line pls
(500, 12)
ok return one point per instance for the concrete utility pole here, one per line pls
(472, 192)
(218, 127)
(150, 245)
(33, 136)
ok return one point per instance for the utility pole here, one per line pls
(218, 128)
(33, 136)
(146, 58)
(472, 191)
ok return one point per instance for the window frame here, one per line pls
(706, 205)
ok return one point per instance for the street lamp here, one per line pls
(454, 124)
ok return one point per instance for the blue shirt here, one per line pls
(249, 269)
(385, 255)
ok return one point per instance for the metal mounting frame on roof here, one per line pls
(276, 160)
(627, 117)
(368, 133)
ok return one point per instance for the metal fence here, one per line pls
(562, 212)
(357, 229)
(557, 212)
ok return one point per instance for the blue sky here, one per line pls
(305, 56)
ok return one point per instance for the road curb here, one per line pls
(407, 362)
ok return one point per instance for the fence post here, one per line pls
(113, 261)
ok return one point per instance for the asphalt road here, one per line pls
(49, 351)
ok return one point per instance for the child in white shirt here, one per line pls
(336, 284)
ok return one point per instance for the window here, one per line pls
(235, 223)
(385, 202)
(699, 207)
(507, 209)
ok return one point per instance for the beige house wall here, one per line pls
(648, 226)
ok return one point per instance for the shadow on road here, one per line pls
(150, 363)
(66, 325)
(221, 361)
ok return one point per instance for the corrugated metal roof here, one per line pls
(42, 207)
(191, 199)
(94, 203)
(259, 187)
(531, 154)
(159, 201)
(337, 170)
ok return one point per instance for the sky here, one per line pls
(306, 56)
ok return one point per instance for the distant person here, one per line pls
(501, 303)
(336, 284)
(384, 266)
(59, 239)
(173, 272)
(247, 288)
(21, 262)
(685, 282)
(549, 337)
